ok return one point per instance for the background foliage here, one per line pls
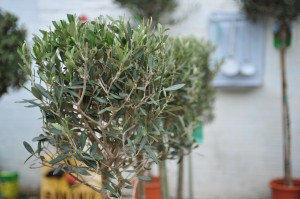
(155, 9)
(11, 36)
(193, 104)
(280, 9)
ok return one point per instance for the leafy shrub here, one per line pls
(12, 36)
(104, 87)
(193, 103)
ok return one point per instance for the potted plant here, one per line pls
(192, 104)
(284, 12)
(11, 37)
(102, 88)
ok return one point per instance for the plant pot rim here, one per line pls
(278, 185)
(152, 184)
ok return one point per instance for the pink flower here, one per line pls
(83, 18)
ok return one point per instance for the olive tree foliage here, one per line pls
(193, 104)
(102, 88)
(11, 36)
(280, 9)
(155, 9)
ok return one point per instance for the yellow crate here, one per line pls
(58, 188)
(9, 185)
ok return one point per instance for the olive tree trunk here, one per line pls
(141, 190)
(164, 180)
(104, 194)
(191, 179)
(141, 183)
(180, 179)
(285, 108)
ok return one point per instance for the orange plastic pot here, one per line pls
(152, 189)
(281, 191)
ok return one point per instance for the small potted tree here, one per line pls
(191, 106)
(193, 103)
(284, 12)
(11, 37)
(102, 88)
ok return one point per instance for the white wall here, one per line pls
(18, 123)
(242, 147)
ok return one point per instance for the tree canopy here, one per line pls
(12, 36)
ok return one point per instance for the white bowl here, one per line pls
(248, 69)
(230, 67)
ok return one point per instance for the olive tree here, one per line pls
(193, 104)
(284, 11)
(12, 36)
(102, 88)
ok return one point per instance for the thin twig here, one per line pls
(84, 76)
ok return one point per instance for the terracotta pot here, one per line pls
(281, 191)
(152, 189)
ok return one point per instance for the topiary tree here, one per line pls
(11, 37)
(156, 9)
(284, 11)
(102, 88)
(195, 101)
(192, 104)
